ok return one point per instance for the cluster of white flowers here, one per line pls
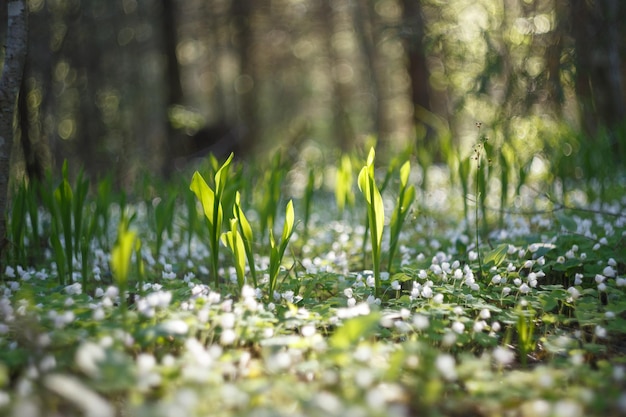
(148, 305)
(61, 319)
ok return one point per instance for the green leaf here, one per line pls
(121, 254)
(277, 252)
(567, 222)
(343, 185)
(222, 175)
(405, 171)
(370, 157)
(497, 255)
(205, 195)
(232, 239)
(354, 330)
(244, 224)
(246, 233)
(362, 183)
(379, 212)
(289, 220)
(407, 199)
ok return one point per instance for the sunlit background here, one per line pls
(134, 86)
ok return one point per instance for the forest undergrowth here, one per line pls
(314, 290)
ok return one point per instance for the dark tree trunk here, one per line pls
(36, 82)
(417, 66)
(85, 48)
(554, 51)
(174, 91)
(599, 84)
(32, 163)
(15, 57)
(246, 86)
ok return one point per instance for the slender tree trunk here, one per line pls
(14, 58)
(366, 31)
(417, 66)
(246, 88)
(553, 55)
(599, 84)
(342, 128)
(174, 90)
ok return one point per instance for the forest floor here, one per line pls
(531, 322)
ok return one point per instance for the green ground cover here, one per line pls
(245, 291)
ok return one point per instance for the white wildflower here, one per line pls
(74, 289)
(446, 365)
(227, 320)
(420, 322)
(227, 337)
(175, 327)
(458, 327)
(573, 292)
(503, 356)
(479, 326)
(608, 272)
(578, 279)
(427, 292)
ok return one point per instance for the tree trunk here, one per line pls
(417, 68)
(342, 129)
(246, 88)
(14, 58)
(553, 54)
(174, 90)
(599, 85)
(366, 32)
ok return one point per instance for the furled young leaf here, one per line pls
(204, 193)
(246, 232)
(405, 171)
(379, 211)
(343, 185)
(277, 251)
(408, 198)
(289, 219)
(367, 185)
(405, 198)
(244, 224)
(222, 175)
(375, 212)
(121, 254)
(232, 239)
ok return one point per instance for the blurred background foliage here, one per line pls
(134, 86)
